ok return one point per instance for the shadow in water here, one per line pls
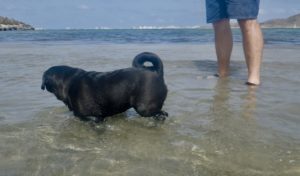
(223, 102)
(211, 66)
(221, 106)
(249, 104)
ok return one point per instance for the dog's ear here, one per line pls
(43, 86)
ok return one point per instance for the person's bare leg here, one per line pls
(253, 47)
(223, 44)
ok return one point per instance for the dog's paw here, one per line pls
(99, 120)
(164, 113)
(161, 116)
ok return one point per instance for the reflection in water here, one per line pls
(249, 105)
(220, 104)
(233, 140)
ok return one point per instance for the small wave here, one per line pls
(81, 149)
(2, 118)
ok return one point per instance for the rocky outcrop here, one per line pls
(290, 22)
(7, 24)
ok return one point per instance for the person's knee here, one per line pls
(223, 24)
(246, 23)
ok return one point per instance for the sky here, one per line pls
(61, 14)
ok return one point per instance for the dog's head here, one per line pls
(54, 81)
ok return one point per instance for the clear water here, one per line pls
(215, 126)
(137, 36)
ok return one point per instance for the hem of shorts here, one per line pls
(232, 18)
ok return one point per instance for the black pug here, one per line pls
(102, 94)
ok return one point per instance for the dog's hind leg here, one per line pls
(99, 119)
(152, 110)
(81, 117)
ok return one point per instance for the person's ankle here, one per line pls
(253, 82)
(222, 74)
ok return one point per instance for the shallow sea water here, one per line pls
(215, 126)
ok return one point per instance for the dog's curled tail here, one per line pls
(140, 60)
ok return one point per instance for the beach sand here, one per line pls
(215, 126)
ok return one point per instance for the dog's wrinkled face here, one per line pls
(52, 82)
(48, 84)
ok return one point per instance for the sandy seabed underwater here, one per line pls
(215, 126)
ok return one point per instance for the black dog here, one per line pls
(102, 94)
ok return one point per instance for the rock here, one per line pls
(290, 22)
(7, 24)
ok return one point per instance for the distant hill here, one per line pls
(290, 22)
(8, 24)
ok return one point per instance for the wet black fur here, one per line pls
(102, 94)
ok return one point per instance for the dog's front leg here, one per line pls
(68, 105)
(99, 119)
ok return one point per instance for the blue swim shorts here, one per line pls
(217, 10)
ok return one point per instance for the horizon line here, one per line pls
(143, 27)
